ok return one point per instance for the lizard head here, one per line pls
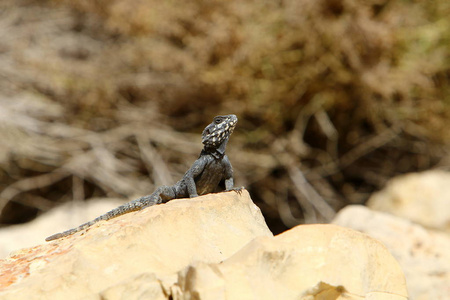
(218, 131)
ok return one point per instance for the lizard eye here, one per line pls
(218, 120)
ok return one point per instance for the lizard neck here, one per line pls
(216, 152)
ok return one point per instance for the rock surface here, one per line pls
(423, 198)
(306, 262)
(162, 240)
(424, 255)
(212, 247)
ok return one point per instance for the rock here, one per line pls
(162, 239)
(143, 286)
(215, 246)
(61, 218)
(424, 255)
(306, 262)
(423, 198)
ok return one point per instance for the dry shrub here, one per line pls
(334, 96)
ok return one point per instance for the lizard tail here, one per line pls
(134, 205)
(69, 232)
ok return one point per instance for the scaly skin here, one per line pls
(203, 177)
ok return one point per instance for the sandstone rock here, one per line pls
(306, 262)
(143, 286)
(424, 255)
(61, 218)
(421, 197)
(161, 240)
(212, 247)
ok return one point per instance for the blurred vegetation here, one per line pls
(108, 98)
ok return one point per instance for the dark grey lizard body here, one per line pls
(205, 175)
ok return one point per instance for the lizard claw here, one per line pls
(237, 190)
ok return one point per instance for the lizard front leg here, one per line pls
(189, 178)
(228, 175)
(229, 184)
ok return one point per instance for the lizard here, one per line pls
(204, 176)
